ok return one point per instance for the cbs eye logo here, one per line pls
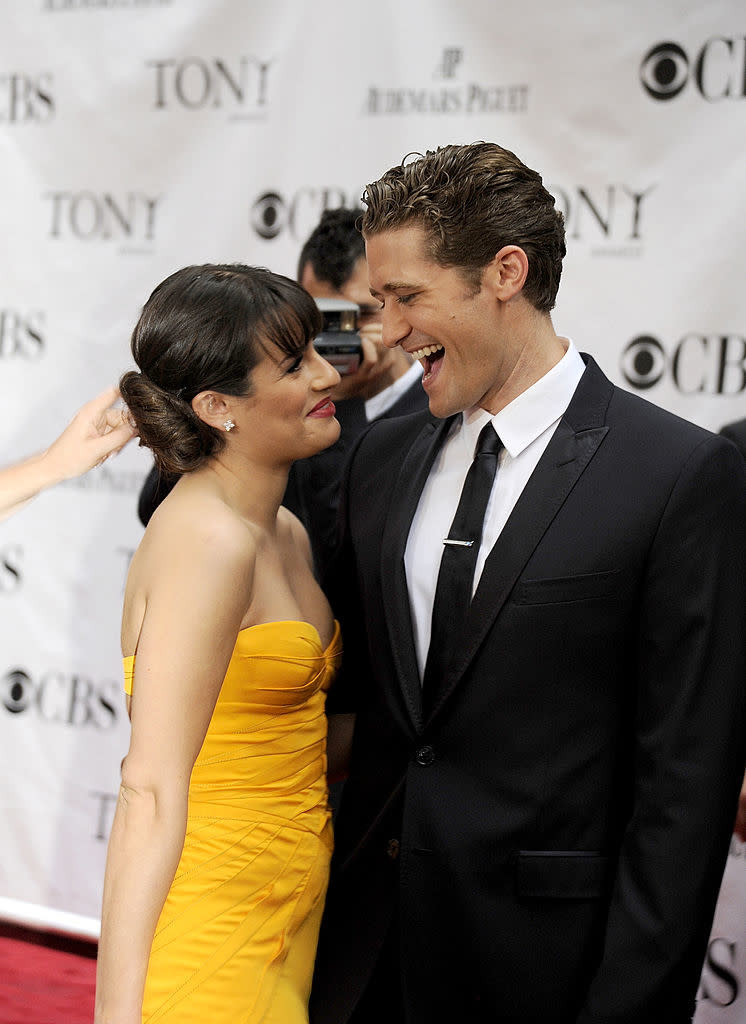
(664, 71)
(16, 691)
(268, 215)
(643, 362)
(716, 70)
(273, 213)
(695, 364)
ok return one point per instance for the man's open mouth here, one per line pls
(428, 355)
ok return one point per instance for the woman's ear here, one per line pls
(212, 409)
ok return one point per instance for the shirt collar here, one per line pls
(533, 411)
(380, 403)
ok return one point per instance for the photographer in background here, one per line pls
(332, 266)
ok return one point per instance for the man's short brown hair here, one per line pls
(471, 201)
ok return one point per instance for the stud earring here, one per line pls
(229, 425)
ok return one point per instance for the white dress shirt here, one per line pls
(525, 427)
(378, 404)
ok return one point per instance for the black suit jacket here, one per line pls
(736, 432)
(563, 812)
(313, 484)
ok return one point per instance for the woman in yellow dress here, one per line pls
(219, 851)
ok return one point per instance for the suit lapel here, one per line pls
(573, 445)
(406, 495)
(351, 415)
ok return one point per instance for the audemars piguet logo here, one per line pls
(451, 96)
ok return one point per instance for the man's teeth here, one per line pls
(428, 350)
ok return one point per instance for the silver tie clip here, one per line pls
(458, 543)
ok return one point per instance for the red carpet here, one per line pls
(45, 979)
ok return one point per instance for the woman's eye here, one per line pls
(296, 364)
(404, 299)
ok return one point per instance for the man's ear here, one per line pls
(507, 272)
(212, 408)
(314, 285)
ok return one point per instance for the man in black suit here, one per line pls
(543, 778)
(332, 265)
(736, 432)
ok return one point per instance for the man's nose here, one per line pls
(395, 326)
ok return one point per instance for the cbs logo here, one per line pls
(712, 364)
(643, 362)
(61, 698)
(272, 213)
(665, 71)
(16, 691)
(718, 70)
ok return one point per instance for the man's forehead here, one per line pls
(396, 259)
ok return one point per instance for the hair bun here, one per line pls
(166, 423)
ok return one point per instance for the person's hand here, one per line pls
(97, 431)
(740, 826)
(376, 370)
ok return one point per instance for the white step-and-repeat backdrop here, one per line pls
(137, 136)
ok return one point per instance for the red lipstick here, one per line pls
(324, 408)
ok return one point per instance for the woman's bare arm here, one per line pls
(199, 586)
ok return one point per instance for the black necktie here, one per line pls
(460, 550)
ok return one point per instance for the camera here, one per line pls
(339, 342)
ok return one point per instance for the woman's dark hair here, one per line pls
(206, 328)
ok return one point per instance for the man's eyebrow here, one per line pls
(393, 286)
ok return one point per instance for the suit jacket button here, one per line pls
(425, 755)
(392, 849)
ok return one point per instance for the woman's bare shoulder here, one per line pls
(195, 544)
(199, 523)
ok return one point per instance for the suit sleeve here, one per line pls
(341, 585)
(736, 432)
(690, 746)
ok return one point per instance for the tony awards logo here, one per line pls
(237, 86)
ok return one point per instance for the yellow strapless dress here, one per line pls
(236, 940)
